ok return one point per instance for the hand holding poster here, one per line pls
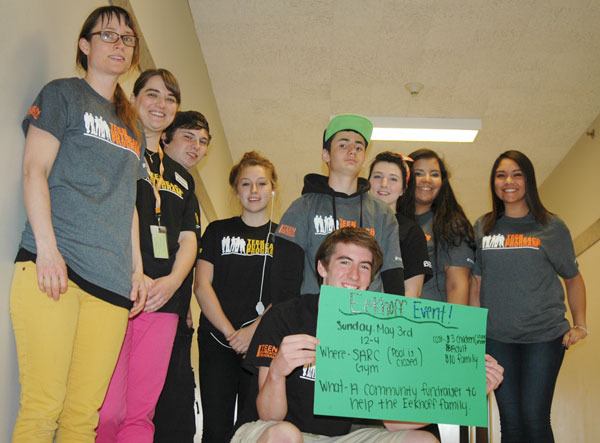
(389, 357)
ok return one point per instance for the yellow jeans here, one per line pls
(67, 351)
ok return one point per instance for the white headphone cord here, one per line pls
(226, 345)
(260, 308)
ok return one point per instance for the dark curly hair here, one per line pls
(450, 224)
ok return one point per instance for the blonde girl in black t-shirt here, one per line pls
(233, 292)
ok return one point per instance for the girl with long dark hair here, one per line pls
(522, 250)
(430, 200)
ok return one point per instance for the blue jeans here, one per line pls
(525, 396)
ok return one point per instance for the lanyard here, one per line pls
(157, 184)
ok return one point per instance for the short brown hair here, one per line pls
(167, 77)
(357, 236)
(187, 120)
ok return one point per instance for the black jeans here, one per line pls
(222, 379)
(525, 396)
(175, 415)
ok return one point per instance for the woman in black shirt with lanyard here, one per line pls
(167, 222)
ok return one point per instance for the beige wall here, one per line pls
(577, 398)
(171, 38)
(573, 192)
(38, 44)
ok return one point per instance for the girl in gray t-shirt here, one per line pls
(430, 200)
(522, 249)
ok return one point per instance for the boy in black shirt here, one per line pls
(185, 141)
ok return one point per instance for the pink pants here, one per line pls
(127, 412)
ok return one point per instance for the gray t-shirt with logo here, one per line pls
(310, 219)
(461, 256)
(519, 262)
(92, 182)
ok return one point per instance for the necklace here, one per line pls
(150, 155)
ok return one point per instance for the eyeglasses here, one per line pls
(113, 37)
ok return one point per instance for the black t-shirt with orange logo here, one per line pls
(179, 212)
(413, 246)
(295, 316)
(441, 257)
(241, 256)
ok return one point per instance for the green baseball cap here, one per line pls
(349, 122)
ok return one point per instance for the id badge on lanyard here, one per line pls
(159, 241)
(159, 233)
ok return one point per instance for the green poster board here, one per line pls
(389, 357)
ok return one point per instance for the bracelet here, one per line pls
(583, 328)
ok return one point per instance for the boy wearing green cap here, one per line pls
(331, 202)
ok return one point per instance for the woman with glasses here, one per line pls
(389, 175)
(78, 273)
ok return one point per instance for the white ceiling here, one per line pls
(280, 68)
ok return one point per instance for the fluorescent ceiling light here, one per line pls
(425, 129)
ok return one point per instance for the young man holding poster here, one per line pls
(283, 352)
